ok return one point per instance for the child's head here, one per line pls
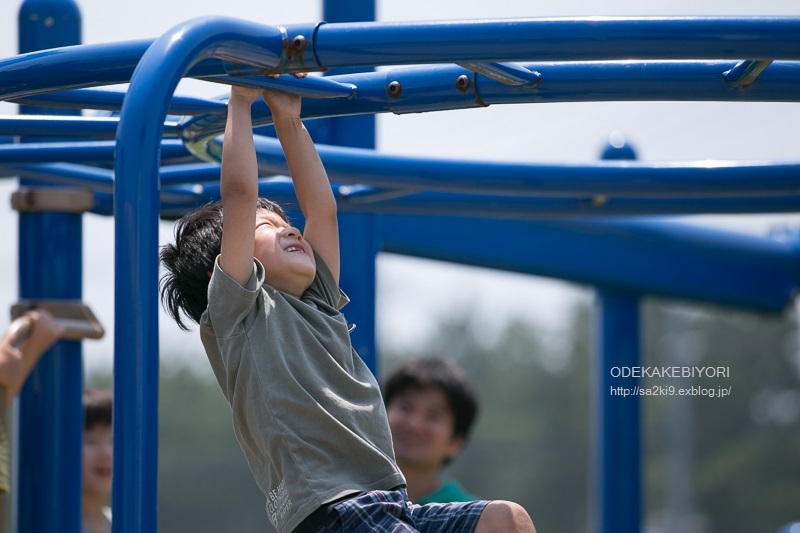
(98, 441)
(190, 261)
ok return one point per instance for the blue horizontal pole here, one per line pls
(550, 39)
(79, 151)
(58, 126)
(83, 66)
(112, 101)
(619, 178)
(101, 181)
(525, 208)
(369, 44)
(309, 87)
(434, 88)
(651, 257)
(98, 179)
(407, 201)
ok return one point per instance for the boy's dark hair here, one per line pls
(444, 374)
(190, 261)
(98, 406)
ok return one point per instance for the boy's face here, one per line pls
(422, 423)
(98, 460)
(287, 258)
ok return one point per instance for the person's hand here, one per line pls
(283, 104)
(246, 95)
(45, 332)
(10, 363)
(19, 355)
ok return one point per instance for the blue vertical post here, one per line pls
(359, 232)
(618, 427)
(48, 485)
(619, 450)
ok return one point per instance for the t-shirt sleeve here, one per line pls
(325, 288)
(229, 303)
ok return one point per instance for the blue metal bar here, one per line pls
(98, 179)
(715, 266)
(49, 488)
(112, 101)
(136, 208)
(363, 199)
(399, 200)
(310, 87)
(433, 88)
(111, 63)
(525, 208)
(635, 255)
(618, 178)
(358, 233)
(32, 73)
(369, 44)
(51, 413)
(101, 181)
(590, 39)
(58, 126)
(618, 475)
(79, 151)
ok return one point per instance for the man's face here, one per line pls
(422, 423)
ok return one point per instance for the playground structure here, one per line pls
(586, 223)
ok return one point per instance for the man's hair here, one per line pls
(97, 408)
(441, 373)
(190, 261)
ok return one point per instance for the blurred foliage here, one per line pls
(711, 465)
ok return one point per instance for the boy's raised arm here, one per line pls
(309, 177)
(239, 187)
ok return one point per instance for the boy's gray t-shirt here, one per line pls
(307, 412)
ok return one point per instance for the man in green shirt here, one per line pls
(431, 405)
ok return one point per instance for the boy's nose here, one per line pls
(292, 232)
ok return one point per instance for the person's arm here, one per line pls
(19, 356)
(239, 187)
(310, 180)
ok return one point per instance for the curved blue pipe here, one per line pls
(136, 210)
(369, 44)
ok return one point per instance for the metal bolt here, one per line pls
(299, 44)
(463, 83)
(395, 89)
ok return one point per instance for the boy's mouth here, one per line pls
(294, 248)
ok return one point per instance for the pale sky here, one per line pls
(544, 132)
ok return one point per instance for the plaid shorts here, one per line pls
(381, 511)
